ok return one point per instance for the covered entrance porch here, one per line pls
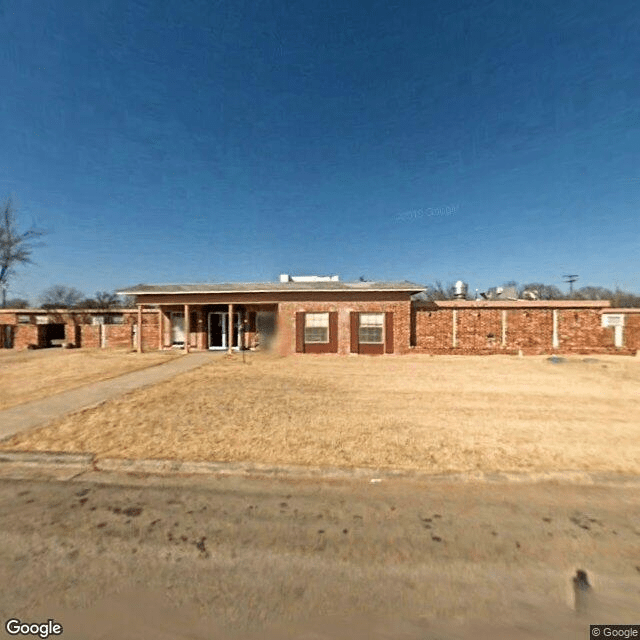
(207, 326)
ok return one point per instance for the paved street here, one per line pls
(121, 556)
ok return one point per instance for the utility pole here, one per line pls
(570, 279)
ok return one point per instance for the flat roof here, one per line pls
(270, 287)
(41, 311)
(505, 304)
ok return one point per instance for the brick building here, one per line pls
(88, 328)
(296, 315)
(323, 315)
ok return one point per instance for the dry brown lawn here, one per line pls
(438, 414)
(32, 375)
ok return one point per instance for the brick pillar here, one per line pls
(160, 329)
(454, 328)
(504, 328)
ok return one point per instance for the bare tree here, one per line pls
(107, 299)
(593, 293)
(437, 291)
(544, 291)
(101, 300)
(621, 298)
(15, 246)
(17, 303)
(61, 297)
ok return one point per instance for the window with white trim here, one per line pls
(371, 330)
(316, 327)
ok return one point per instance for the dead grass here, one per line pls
(440, 414)
(31, 375)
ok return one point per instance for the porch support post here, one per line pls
(230, 336)
(187, 328)
(160, 328)
(139, 328)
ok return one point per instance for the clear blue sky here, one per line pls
(198, 140)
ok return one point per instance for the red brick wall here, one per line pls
(632, 331)
(581, 329)
(433, 330)
(286, 321)
(530, 330)
(90, 336)
(150, 331)
(118, 336)
(25, 335)
(479, 330)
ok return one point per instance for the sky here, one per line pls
(176, 141)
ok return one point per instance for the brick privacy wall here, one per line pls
(286, 322)
(527, 330)
(632, 331)
(581, 329)
(90, 336)
(530, 330)
(25, 335)
(118, 336)
(433, 330)
(479, 330)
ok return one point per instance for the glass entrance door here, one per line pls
(219, 330)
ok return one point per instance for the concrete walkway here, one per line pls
(36, 413)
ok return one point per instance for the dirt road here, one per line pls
(141, 557)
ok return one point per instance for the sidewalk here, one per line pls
(32, 414)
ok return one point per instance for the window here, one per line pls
(97, 320)
(316, 327)
(24, 319)
(117, 319)
(371, 328)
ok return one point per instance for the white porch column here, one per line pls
(139, 328)
(187, 328)
(555, 340)
(231, 328)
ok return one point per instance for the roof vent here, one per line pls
(284, 277)
(460, 290)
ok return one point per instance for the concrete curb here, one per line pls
(48, 458)
(88, 462)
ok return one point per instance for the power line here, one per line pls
(570, 279)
